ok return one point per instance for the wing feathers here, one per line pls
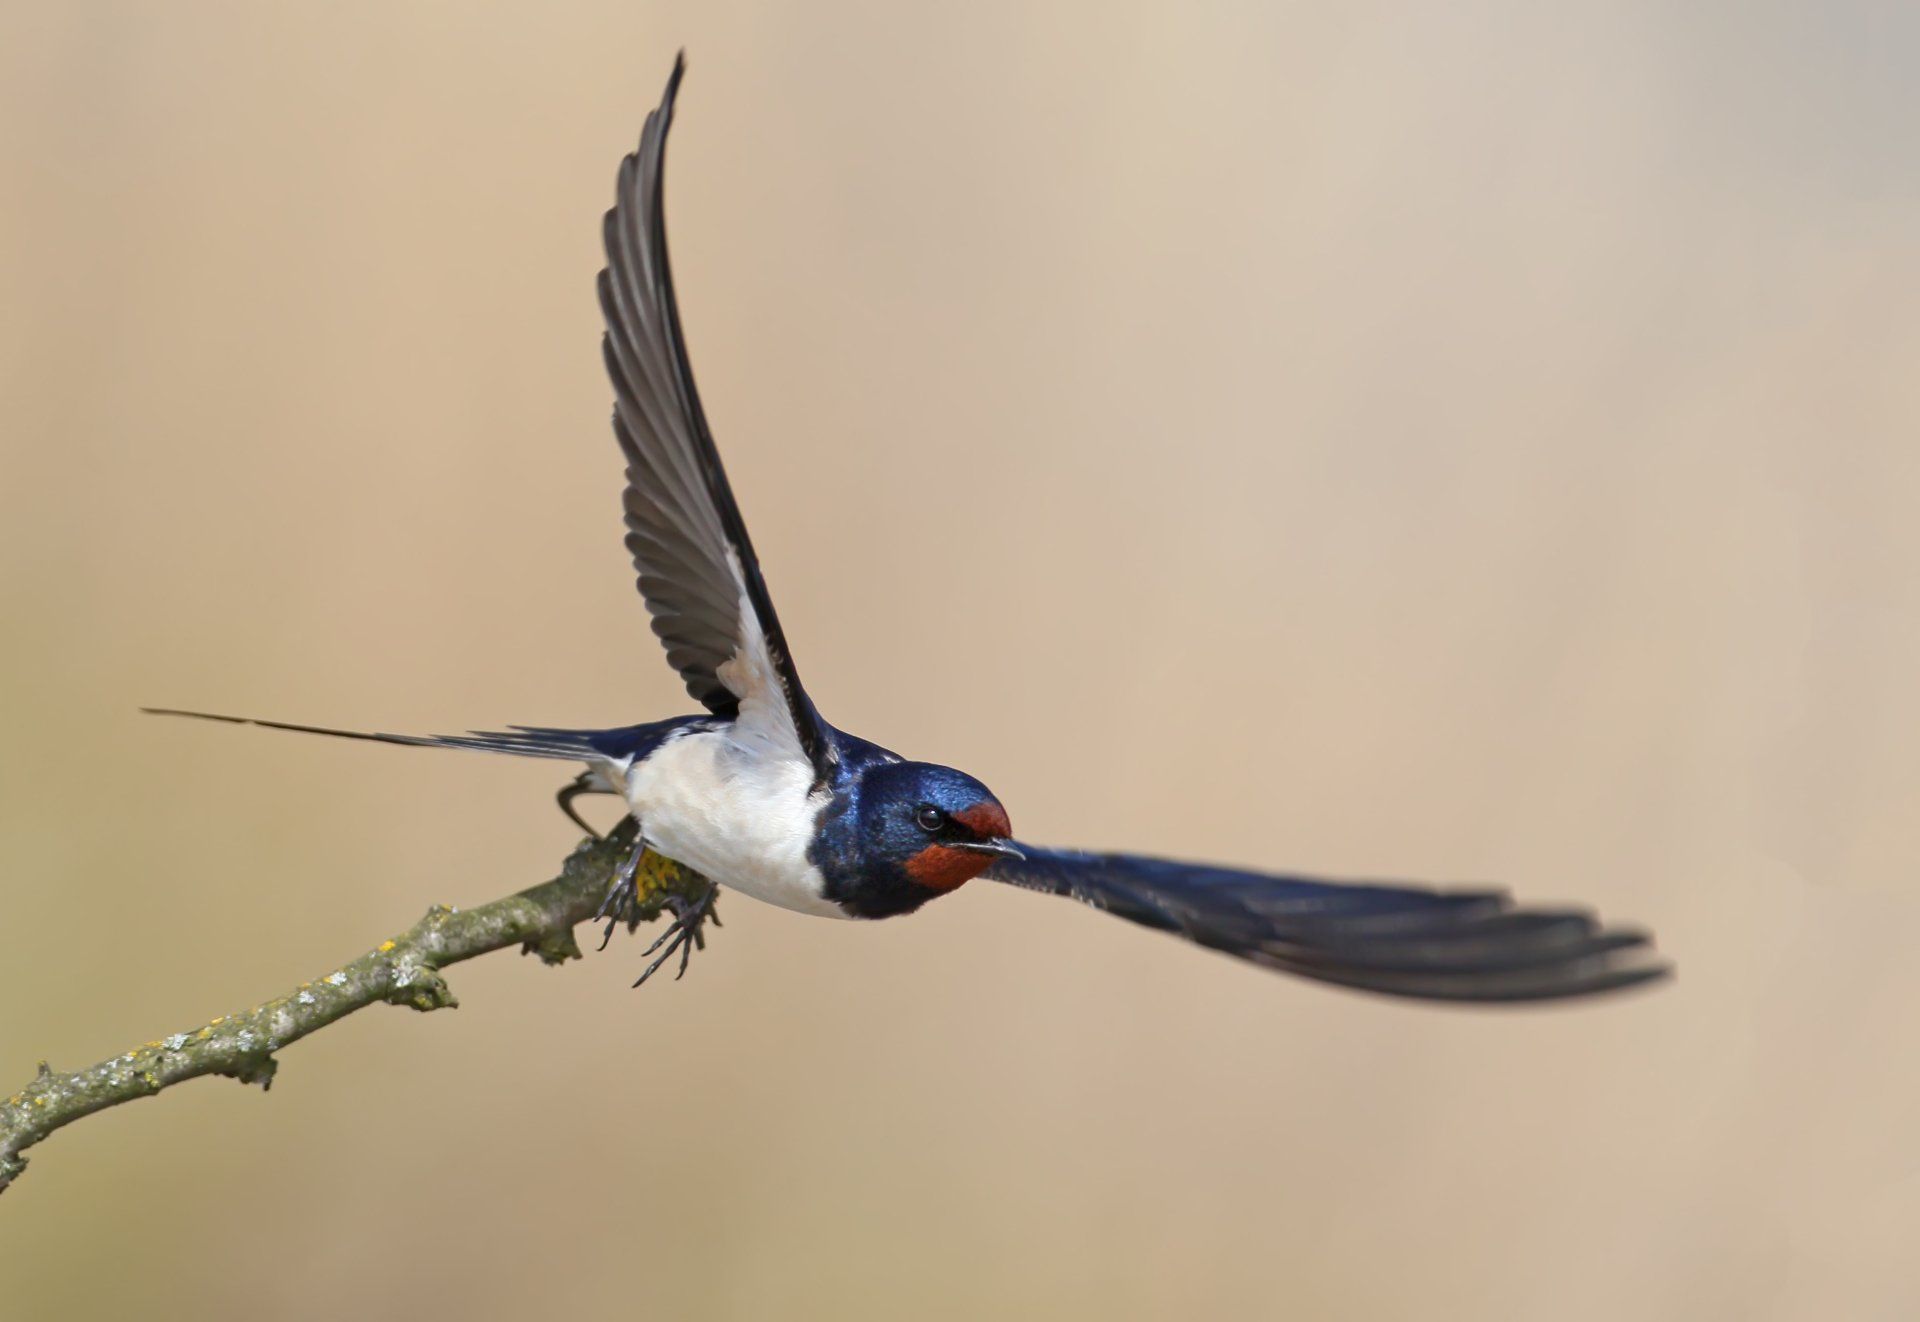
(1397, 940)
(694, 561)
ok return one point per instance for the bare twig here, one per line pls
(403, 971)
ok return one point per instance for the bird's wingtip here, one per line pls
(673, 80)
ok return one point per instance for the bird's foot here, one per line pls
(622, 904)
(581, 784)
(691, 911)
(686, 933)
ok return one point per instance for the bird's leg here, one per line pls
(623, 897)
(580, 784)
(685, 935)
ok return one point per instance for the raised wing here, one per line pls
(1397, 940)
(697, 570)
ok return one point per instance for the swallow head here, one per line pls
(923, 830)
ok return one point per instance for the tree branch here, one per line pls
(403, 971)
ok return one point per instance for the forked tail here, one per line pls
(517, 740)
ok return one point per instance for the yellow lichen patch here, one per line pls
(656, 873)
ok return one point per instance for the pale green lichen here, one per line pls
(404, 970)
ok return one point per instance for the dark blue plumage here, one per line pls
(622, 742)
(1464, 945)
(872, 830)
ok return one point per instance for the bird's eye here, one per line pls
(929, 818)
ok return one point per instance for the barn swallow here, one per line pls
(761, 795)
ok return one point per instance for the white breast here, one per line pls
(735, 814)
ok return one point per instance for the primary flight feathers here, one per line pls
(698, 573)
(1469, 945)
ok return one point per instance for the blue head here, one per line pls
(910, 831)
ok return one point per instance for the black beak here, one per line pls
(996, 848)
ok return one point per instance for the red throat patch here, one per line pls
(941, 867)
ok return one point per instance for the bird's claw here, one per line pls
(622, 904)
(685, 934)
(580, 784)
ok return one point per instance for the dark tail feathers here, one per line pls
(520, 741)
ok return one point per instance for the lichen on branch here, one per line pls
(402, 971)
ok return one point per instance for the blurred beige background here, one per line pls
(1449, 441)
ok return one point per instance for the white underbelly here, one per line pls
(742, 820)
